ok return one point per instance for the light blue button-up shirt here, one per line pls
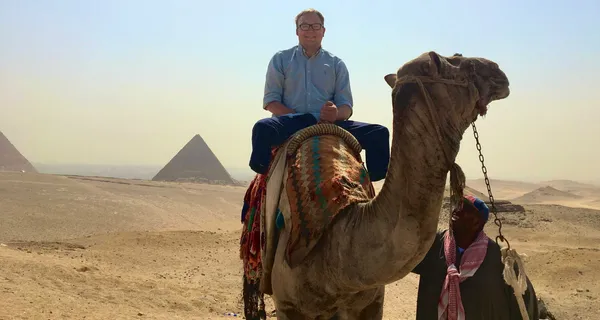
(306, 84)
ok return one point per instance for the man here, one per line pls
(461, 275)
(307, 84)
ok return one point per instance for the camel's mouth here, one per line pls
(500, 93)
(482, 106)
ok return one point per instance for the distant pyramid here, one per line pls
(194, 162)
(11, 159)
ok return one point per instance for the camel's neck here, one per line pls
(379, 242)
(394, 230)
(414, 186)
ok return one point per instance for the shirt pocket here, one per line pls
(323, 79)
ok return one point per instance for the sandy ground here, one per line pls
(100, 248)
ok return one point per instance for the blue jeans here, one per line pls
(270, 132)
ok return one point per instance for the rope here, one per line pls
(518, 283)
(323, 129)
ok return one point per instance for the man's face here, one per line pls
(310, 31)
(467, 221)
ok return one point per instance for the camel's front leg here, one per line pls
(373, 311)
(284, 313)
(289, 312)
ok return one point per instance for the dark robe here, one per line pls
(485, 295)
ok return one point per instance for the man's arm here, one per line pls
(344, 112)
(277, 108)
(273, 95)
(342, 96)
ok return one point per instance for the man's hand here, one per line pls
(329, 112)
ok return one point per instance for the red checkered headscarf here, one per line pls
(450, 305)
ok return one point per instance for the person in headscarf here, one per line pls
(461, 275)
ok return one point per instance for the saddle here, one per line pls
(313, 176)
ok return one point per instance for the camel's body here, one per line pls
(307, 287)
(374, 243)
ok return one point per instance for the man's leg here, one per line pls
(270, 132)
(375, 139)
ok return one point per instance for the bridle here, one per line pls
(457, 177)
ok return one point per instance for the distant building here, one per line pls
(195, 162)
(11, 159)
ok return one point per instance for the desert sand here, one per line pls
(77, 247)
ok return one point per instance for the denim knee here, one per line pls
(378, 152)
(261, 127)
(262, 134)
(380, 137)
(382, 132)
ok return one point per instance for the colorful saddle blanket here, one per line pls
(323, 177)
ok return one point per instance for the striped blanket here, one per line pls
(324, 177)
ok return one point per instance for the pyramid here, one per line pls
(194, 162)
(11, 159)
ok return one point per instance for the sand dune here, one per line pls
(563, 192)
(75, 247)
(581, 189)
(594, 203)
(503, 189)
(550, 195)
(546, 194)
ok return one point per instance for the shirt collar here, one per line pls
(303, 52)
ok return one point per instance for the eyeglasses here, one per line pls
(314, 26)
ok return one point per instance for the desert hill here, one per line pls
(503, 189)
(546, 194)
(563, 192)
(593, 204)
(574, 187)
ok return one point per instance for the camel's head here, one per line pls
(460, 87)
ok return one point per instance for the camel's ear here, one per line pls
(390, 79)
(435, 63)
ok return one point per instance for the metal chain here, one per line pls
(489, 189)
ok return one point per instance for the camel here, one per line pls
(378, 240)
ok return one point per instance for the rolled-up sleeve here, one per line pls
(274, 81)
(343, 93)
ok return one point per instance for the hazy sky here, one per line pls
(130, 82)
